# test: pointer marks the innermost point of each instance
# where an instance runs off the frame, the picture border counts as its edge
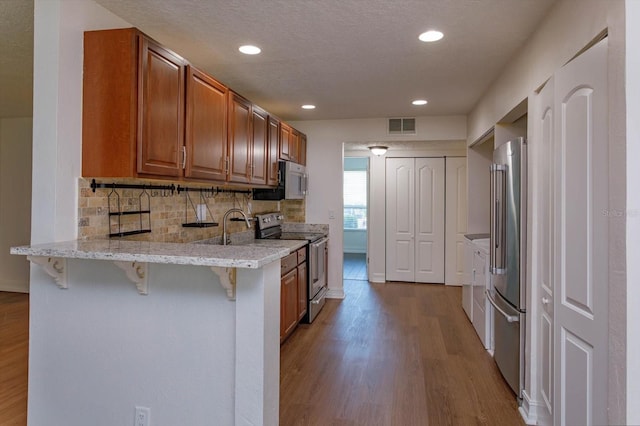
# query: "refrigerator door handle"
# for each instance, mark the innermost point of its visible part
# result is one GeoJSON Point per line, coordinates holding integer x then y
{"type": "Point", "coordinates": [497, 254]}
{"type": "Point", "coordinates": [509, 318]}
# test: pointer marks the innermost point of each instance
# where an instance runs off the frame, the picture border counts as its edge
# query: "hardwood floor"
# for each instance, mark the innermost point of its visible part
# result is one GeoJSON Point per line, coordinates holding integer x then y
{"type": "Point", "coordinates": [354, 266]}
{"type": "Point", "coordinates": [389, 354]}
{"type": "Point", "coordinates": [392, 354]}
{"type": "Point", "coordinates": [14, 358]}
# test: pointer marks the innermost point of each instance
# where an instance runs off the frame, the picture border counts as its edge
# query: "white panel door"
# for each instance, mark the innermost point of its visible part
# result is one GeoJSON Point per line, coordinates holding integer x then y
{"type": "Point", "coordinates": [455, 219]}
{"type": "Point", "coordinates": [429, 231]}
{"type": "Point", "coordinates": [400, 210]}
{"type": "Point", "coordinates": [581, 255]}
{"type": "Point", "coordinates": [543, 278]}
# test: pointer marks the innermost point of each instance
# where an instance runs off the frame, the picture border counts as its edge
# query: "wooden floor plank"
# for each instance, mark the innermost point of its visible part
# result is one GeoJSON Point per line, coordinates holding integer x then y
{"type": "Point", "coordinates": [392, 354]}
{"type": "Point", "coordinates": [14, 358]}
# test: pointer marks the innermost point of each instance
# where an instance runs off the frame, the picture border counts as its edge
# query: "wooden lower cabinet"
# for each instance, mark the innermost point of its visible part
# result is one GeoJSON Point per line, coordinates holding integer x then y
{"type": "Point", "coordinates": [289, 303]}
{"type": "Point", "coordinates": [293, 291]}
{"type": "Point", "coordinates": [302, 290]}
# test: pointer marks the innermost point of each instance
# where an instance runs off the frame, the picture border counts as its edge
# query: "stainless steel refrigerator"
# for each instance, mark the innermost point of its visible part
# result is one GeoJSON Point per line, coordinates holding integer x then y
{"type": "Point", "coordinates": [508, 259]}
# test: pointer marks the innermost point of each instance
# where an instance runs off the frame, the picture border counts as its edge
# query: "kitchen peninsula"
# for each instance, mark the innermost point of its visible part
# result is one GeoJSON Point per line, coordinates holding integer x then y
{"type": "Point", "coordinates": [189, 331]}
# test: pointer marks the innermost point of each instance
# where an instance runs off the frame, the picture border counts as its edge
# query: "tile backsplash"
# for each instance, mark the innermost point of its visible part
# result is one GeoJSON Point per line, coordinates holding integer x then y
{"type": "Point", "coordinates": [168, 211]}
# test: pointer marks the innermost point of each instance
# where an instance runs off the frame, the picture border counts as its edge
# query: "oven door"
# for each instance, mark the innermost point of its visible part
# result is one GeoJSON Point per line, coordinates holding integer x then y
{"type": "Point", "coordinates": [317, 269]}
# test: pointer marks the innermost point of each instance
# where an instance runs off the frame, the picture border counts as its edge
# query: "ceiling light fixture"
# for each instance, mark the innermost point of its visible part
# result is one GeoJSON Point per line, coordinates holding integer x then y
{"type": "Point", "coordinates": [378, 150]}
{"type": "Point", "coordinates": [249, 49]}
{"type": "Point", "coordinates": [419, 102]}
{"type": "Point", "coordinates": [430, 36]}
{"type": "Point", "coordinates": [308, 106]}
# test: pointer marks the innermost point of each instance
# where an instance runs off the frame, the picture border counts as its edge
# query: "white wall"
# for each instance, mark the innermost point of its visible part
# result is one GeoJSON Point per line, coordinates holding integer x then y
{"type": "Point", "coordinates": [569, 27]}
{"type": "Point", "coordinates": [325, 139]}
{"type": "Point", "coordinates": [15, 200]}
{"type": "Point", "coordinates": [633, 209]}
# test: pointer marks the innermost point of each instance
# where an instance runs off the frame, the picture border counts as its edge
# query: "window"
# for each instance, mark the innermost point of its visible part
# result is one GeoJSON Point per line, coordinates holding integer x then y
{"type": "Point", "coordinates": [355, 199]}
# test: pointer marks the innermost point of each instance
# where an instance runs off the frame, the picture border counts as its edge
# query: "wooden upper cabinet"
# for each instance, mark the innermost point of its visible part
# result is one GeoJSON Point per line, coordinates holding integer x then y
{"type": "Point", "coordinates": [259, 141]}
{"type": "Point", "coordinates": [294, 141]}
{"type": "Point", "coordinates": [273, 155]}
{"type": "Point", "coordinates": [206, 127]}
{"type": "Point", "coordinates": [302, 149]}
{"type": "Point", "coordinates": [110, 103]}
{"type": "Point", "coordinates": [239, 136]}
{"type": "Point", "coordinates": [293, 145]}
{"type": "Point", "coordinates": [147, 113]}
{"type": "Point", "coordinates": [285, 135]}
{"type": "Point", "coordinates": [160, 110]}
{"type": "Point", "coordinates": [133, 106]}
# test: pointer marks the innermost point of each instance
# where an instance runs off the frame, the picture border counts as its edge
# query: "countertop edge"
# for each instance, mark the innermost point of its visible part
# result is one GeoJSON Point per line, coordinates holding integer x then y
{"type": "Point", "coordinates": [238, 256]}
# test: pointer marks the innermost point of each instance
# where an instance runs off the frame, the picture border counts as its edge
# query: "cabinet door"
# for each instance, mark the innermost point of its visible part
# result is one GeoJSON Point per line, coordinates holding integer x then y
{"type": "Point", "coordinates": [288, 303]}
{"type": "Point", "coordinates": [294, 141]}
{"type": "Point", "coordinates": [285, 135]}
{"type": "Point", "coordinates": [302, 290]}
{"type": "Point", "coordinates": [302, 149]}
{"type": "Point", "coordinates": [206, 127]}
{"type": "Point", "coordinates": [160, 110]}
{"type": "Point", "coordinates": [239, 138]}
{"type": "Point", "coordinates": [274, 146]}
{"type": "Point", "coordinates": [258, 154]}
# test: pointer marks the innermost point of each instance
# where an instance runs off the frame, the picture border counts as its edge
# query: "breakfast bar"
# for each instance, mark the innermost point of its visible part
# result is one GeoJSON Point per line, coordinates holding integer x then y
{"type": "Point", "coordinates": [190, 330]}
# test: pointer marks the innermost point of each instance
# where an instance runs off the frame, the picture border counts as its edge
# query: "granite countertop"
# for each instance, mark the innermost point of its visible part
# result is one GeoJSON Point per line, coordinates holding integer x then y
{"type": "Point", "coordinates": [252, 255]}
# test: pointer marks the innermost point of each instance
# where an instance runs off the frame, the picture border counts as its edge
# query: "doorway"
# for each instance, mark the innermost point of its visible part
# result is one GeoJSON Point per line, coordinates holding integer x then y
{"type": "Point", "coordinates": [355, 214]}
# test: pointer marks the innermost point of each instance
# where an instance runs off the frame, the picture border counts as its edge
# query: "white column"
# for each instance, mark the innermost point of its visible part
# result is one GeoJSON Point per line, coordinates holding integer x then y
{"type": "Point", "coordinates": [257, 387]}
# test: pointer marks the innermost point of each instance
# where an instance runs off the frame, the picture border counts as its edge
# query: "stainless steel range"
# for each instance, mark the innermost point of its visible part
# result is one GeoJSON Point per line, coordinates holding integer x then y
{"type": "Point", "coordinates": [269, 226]}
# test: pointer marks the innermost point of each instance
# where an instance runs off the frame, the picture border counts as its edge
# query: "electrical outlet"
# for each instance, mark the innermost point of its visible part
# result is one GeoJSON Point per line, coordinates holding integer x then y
{"type": "Point", "coordinates": [143, 415]}
{"type": "Point", "coordinates": [332, 214]}
{"type": "Point", "coordinates": [201, 212]}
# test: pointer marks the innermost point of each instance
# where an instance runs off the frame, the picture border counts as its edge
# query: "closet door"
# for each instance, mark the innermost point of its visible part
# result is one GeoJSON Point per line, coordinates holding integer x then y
{"type": "Point", "coordinates": [400, 206]}
{"type": "Point", "coordinates": [455, 219]}
{"type": "Point", "coordinates": [429, 222]}
{"type": "Point", "coordinates": [415, 219]}
{"type": "Point", "coordinates": [582, 252]}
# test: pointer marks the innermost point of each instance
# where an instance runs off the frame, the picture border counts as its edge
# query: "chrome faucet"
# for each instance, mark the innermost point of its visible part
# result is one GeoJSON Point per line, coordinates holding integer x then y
{"type": "Point", "coordinates": [225, 237]}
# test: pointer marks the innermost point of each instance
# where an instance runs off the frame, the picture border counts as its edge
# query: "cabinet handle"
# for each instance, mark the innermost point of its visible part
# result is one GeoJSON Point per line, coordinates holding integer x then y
{"type": "Point", "coordinates": [184, 157]}
{"type": "Point", "coordinates": [226, 165]}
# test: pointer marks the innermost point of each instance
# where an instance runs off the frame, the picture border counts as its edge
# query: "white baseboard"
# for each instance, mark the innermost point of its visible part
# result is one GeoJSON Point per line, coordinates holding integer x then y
{"type": "Point", "coordinates": [378, 278]}
{"type": "Point", "coordinates": [14, 286]}
{"type": "Point", "coordinates": [335, 293]}
{"type": "Point", "coordinates": [533, 412]}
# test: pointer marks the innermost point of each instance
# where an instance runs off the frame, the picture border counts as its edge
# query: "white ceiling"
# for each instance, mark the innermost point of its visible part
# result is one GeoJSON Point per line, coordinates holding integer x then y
{"type": "Point", "coordinates": [351, 58]}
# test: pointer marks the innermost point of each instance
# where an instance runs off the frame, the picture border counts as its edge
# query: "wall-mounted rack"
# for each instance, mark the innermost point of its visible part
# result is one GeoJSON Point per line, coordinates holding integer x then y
{"type": "Point", "coordinates": [199, 215]}
{"type": "Point", "coordinates": [213, 191]}
{"type": "Point", "coordinates": [167, 189]}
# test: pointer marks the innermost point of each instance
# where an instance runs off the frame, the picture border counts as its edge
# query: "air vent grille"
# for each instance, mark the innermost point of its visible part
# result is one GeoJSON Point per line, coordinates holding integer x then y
{"type": "Point", "coordinates": [402, 126]}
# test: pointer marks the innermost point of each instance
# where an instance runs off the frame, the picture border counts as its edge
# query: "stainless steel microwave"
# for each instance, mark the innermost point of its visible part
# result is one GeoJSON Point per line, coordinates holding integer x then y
{"type": "Point", "coordinates": [292, 183]}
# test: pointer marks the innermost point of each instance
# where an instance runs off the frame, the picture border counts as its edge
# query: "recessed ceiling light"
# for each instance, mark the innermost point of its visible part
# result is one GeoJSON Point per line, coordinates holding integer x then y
{"type": "Point", "coordinates": [248, 49]}
{"type": "Point", "coordinates": [419, 102]}
{"type": "Point", "coordinates": [309, 106]}
{"type": "Point", "coordinates": [431, 35]}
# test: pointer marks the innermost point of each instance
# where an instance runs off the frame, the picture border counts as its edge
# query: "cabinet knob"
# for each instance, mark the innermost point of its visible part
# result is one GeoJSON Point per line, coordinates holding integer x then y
{"type": "Point", "coordinates": [545, 301]}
